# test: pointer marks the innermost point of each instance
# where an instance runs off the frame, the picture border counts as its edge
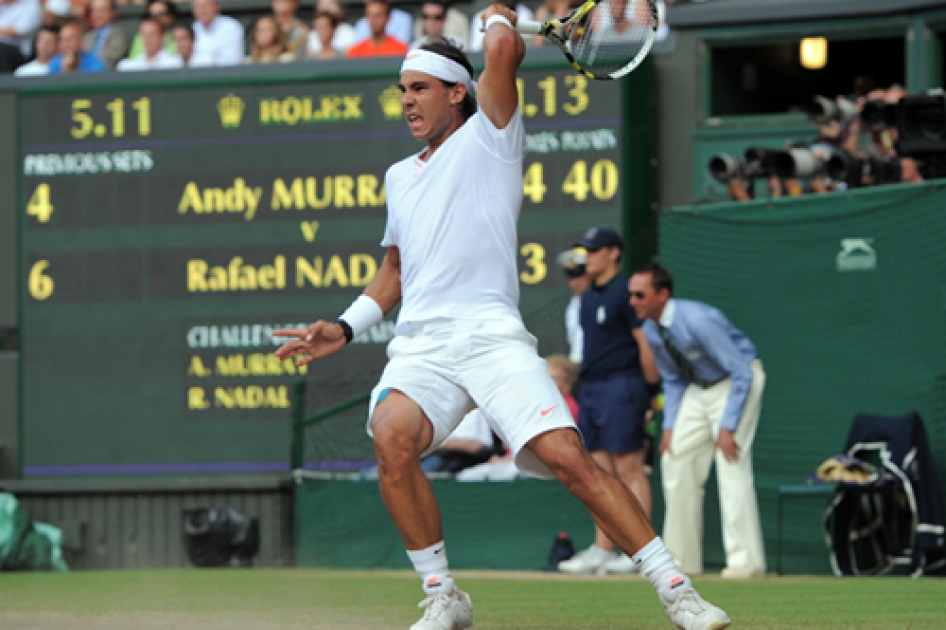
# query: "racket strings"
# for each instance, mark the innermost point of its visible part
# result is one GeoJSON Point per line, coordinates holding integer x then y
{"type": "Point", "coordinates": [611, 35]}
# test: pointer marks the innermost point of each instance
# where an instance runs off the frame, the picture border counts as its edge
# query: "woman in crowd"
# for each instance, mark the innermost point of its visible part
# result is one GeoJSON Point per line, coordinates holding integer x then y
{"type": "Point", "coordinates": [268, 44]}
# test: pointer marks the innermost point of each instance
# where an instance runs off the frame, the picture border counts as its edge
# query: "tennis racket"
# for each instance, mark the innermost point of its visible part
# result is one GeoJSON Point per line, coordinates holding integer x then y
{"type": "Point", "coordinates": [602, 39]}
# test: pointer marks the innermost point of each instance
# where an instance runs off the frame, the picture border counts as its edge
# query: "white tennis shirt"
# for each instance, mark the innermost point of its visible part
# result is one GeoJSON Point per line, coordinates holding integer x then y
{"type": "Point", "coordinates": [454, 220]}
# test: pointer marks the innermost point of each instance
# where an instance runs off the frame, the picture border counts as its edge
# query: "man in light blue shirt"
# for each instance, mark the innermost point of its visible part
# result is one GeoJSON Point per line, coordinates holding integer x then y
{"type": "Point", "coordinates": [713, 383]}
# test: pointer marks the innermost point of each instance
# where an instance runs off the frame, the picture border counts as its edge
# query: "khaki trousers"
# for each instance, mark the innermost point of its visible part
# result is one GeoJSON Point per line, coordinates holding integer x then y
{"type": "Point", "coordinates": [686, 469]}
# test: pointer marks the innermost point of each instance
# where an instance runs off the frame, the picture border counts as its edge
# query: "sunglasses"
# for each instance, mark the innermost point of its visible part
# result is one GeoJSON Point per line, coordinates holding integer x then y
{"type": "Point", "coordinates": [640, 295]}
{"type": "Point", "coordinates": [428, 16]}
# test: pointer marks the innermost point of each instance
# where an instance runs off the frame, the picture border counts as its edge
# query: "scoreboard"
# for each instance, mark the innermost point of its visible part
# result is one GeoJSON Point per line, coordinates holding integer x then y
{"type": "Point", "coordinates": [167, 229]}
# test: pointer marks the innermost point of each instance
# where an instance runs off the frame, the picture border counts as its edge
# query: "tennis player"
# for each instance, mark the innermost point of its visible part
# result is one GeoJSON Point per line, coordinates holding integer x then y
{"type": "Point", "coordinates": [460, 342]}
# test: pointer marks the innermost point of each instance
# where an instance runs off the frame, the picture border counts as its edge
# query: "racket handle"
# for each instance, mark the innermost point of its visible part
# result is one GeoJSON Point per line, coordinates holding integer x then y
{"type": "Point", "coordinates": [528, 27]}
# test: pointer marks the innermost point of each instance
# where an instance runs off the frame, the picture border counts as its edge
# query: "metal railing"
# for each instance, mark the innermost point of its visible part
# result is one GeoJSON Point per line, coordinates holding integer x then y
{"type": "Point", "coordinates": [300, 421]}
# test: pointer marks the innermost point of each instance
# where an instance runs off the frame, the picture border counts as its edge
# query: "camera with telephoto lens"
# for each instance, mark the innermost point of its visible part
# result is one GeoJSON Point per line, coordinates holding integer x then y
{"type": "Point", "coordinates": [801, 162]}
{"type": "Point", "coordinates": [822, 110]}
{"type": "Point", "coordinates": [878, 113]}
{"type": "Point", "coordinates": [863, 171]}
{"type": "Point", "coordinates": [756, 162]}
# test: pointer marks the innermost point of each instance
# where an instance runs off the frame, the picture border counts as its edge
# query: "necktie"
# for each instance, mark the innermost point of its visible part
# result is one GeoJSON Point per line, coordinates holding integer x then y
{"type": "Point", "coordinates": [686, 369]}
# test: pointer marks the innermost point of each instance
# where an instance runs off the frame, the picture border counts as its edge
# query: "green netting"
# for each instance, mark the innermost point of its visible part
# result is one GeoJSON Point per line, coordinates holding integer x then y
{"type": "Point", "coordinates": [845, 297]}
{"type": "Point", "coordinates": [488, 525]}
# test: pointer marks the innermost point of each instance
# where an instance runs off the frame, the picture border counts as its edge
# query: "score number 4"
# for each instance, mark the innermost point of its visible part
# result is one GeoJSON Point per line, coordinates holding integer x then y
{"type": "Point", "coordinates": [601, 181]}
{"type": "Point", "coordinates": [84, 124]}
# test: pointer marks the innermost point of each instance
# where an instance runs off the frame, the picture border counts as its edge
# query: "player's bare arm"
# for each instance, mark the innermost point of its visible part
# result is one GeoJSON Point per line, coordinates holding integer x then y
{"type": "Point", "coordinates": [324, 338]}
{"type": "Point", "coordinates": [504, 50]}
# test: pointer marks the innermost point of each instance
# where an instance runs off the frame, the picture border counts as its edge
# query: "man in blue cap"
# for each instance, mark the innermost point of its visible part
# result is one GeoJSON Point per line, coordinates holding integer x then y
{"type": "Point", "coordinates": [617, 374]}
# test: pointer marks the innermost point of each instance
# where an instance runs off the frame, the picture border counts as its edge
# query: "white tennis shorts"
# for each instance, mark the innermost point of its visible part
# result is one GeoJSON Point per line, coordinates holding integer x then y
{"type": "Point", "coordinates": [449, 367]}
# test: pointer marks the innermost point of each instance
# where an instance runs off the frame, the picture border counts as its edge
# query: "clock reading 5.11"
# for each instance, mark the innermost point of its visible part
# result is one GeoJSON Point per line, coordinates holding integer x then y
{"type": "Point", "coordinates": [114, 123]}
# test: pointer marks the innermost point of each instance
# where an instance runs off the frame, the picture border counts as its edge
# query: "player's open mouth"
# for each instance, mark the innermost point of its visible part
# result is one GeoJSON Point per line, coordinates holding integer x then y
{"type": "Point", "coordinates": [414, 121]}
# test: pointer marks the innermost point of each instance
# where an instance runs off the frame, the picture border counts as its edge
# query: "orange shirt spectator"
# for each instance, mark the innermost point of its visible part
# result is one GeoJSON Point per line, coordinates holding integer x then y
{"type": "Point", "coordinates": [389, 47]}
{"type": "Point", "coordinates": [379, 43]}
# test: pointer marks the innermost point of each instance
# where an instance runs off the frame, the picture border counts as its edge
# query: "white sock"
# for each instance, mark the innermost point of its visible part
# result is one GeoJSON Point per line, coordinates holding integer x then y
{"type": "Point", "coordinates": [657, 564]}
{"type": "Point", "coordinates": [431, 564]}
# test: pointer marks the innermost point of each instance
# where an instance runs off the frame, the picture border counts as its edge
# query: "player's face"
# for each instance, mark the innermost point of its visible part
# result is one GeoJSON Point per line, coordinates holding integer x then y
{"type": "Point", "coordinates": [429, 106]}
{"type": "Point", "coordinates": [647, 303]}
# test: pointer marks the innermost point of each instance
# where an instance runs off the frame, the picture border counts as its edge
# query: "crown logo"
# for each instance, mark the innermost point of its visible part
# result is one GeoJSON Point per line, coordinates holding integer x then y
{"type": "Point", "coordinates": [391, 103]}
{"type": "Point", "coordinates": [230, 109]}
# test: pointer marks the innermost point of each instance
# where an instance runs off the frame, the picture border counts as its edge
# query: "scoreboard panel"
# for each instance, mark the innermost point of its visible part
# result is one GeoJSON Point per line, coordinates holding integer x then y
{"type": "Point", "coordinates": [167, 229]}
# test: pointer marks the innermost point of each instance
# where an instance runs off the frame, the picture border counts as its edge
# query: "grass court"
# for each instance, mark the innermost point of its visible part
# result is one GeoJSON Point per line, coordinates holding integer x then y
{"type": "Point", "coordinates": [304, 599]}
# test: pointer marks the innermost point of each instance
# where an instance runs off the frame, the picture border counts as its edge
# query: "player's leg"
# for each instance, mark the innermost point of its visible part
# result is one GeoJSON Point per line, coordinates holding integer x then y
{"type": "Point", "coordinates": [684, 471]}
{"type": "Point", "coordinates": [601, 552]}
{"type": "Point", "coordinates": [623, 520]}
{"type": "Point", "coordinates": [629, 469]}
{"type": "Point", "coordinates": [414, 409]}
{"type": "Point", "coordinates": [739, 510]}
{"type": "Point", "coordinates": [513, 386]}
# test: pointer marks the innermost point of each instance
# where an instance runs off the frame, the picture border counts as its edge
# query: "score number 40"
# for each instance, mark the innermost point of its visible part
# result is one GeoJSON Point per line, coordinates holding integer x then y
{"type": "Point", "coordinates": [600, 181]}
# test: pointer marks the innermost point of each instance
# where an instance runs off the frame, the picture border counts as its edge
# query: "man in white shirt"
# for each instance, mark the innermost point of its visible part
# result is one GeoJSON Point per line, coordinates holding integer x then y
{"type": "Point", "coordinates": [154, 56]}
{"type": "Point", "coordinates": [218, 38]}
{"type": "Point", "coordinates": [460, 342]}
{"type": "Point", "coordinates": [47, 47]}
{"type": "Point", "coordinates": [400, 26]}
{"type": "Point", "coordinates": [19, 22]}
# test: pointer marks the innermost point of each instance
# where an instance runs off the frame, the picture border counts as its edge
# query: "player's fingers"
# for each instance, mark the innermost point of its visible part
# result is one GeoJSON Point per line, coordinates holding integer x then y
{"type": "Point", "coordinates": [289, 332]}
{"type": "Point", "coordinates": [313, 331]}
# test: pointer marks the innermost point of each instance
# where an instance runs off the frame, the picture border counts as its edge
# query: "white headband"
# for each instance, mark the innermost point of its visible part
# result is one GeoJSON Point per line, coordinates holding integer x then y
{"type": "Point", "coordinates": [437, 66]}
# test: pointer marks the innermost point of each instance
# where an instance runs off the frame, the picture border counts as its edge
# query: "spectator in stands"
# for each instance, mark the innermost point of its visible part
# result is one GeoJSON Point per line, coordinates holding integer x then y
{"type": "Point", "coordinates": [19, 22]}
{"type": "Point", "coordinates": [79, 11]}
{"type": "Point", "coordinates": [324, 26]}
{"type": "Point", "coordinates": [380, 44]}
{"type": "Point", "coordinates": [47, 47]}
{"type": "Point", "coordinates": [400, 25]}
{"type": "Point", "coordinates": [56, 12]}
{"type": "Point", "coordinates": [438, 19]}
{"type": "Point", "coordinates": [293, 29]}
{"type": "Point", "coordinates": [218, 38]}
{"type": "Point", "coordinates": [107, 40]}
{"type": "Point", "coordinates": [344, 35]}
{"type": "Point", "coordinates": [164, 12]}
{"type": "Point", "coordinates": [268, 42]}
{"type": "Point", "coordinates": [565, 374]}
{"type": "Point", "coordinates": [71, 57]}
{"type": "Point", "coordinates": [476, 24]}
{"type": "Point", "coordinates": [184, 42]}
{"type": "Point", "coordinates": [154, 56]}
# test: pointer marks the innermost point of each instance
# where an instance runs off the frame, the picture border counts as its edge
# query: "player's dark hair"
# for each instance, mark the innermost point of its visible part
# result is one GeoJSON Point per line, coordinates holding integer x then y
{"type": "Point", "coordinates": [660, 278]}
{"type": "Point", "coordinates": [447, 49]}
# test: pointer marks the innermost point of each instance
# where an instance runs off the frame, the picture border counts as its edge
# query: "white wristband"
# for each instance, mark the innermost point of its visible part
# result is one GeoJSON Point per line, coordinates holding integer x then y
{"type": "Point", "coordinates": [362, 315]}
{"type": "Point", "coordinates": [497, 19]}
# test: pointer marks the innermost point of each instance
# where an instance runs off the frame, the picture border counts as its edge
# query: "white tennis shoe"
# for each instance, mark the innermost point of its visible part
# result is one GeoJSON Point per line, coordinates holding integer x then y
{"type": "Point", "coordinates": [692, 612]}
{"type": "Point", "coordinates": [619, 565]}
{"type": "Point", "coordinates": [446, 611]}
{"type": "Point", "coordinates": [589, 560]}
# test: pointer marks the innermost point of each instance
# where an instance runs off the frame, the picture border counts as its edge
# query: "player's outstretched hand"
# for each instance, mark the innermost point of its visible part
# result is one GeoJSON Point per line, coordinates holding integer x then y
{"type": "Point", "coordinates": [318, 340]}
